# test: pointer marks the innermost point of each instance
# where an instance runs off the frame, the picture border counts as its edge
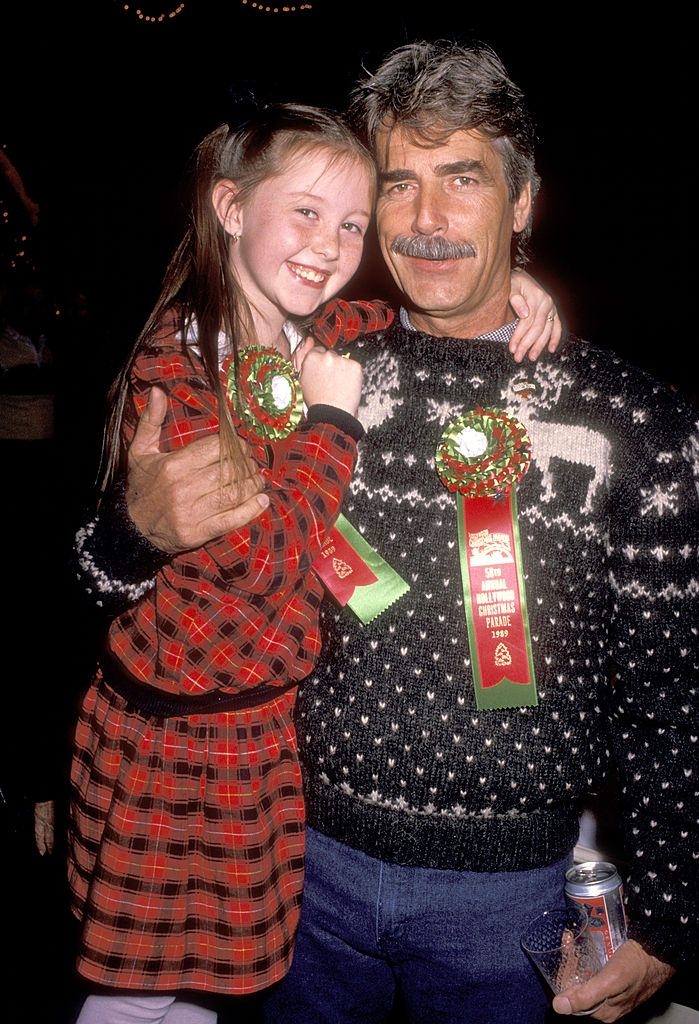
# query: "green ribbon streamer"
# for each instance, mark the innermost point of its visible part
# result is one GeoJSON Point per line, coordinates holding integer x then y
{"type": "Point", "coordinates": [369, 601]}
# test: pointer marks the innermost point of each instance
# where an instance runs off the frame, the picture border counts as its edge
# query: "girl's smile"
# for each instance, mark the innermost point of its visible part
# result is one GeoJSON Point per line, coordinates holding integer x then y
{"type": "Point", "coordinates": [314, 277]}
{"type": "Point", "coordinates": [301, 236]}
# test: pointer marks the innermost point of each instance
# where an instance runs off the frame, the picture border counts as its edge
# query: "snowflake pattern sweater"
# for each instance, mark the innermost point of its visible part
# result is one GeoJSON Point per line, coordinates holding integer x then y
{"type": "Point", "coordinates": [398, 761]}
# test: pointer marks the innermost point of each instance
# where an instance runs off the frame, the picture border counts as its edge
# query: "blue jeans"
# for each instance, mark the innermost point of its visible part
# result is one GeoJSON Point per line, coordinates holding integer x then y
{"type": "Point", "coordinates": [441, 945]}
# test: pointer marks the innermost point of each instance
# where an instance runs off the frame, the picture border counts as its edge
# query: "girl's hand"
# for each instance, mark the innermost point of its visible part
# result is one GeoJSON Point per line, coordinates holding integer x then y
{"type": "Point", "coordinates": [327, 378]}
{"type": "Point", "coordinates": [44, 826]}
{"type": "Point", "coordinates": [539, 325]}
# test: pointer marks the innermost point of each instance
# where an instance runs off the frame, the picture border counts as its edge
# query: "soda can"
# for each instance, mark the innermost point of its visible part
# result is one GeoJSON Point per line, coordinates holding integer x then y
{"type": "Point", "coordinates": [596, 885]}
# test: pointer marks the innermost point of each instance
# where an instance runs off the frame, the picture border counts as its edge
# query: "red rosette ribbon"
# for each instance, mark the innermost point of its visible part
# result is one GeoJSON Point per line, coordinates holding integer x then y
{"type": "Point", "coordinates": [267, 394]}
{"type": "Point", "coordinates": [483, 453]}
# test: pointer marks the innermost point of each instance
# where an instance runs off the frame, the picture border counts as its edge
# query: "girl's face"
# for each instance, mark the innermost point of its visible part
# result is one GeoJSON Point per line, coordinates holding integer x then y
{"type": "Point", "coordinates": [301, 236]}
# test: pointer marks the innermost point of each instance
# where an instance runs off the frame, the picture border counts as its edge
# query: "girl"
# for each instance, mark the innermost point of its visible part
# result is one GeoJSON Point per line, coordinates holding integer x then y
{"type": "Point", "coordinates": [187, 817]}
{"type": "Point", "coordinates": [186, 854]}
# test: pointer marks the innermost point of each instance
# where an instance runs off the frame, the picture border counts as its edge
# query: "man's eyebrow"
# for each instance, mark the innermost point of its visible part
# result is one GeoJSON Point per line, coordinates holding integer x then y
{"type": "Point", "coordinates": [463, 167]}
{"type": "Point", "coordinates": [398, 174]}
{"type": "Point", "coordinates": [440, 170]}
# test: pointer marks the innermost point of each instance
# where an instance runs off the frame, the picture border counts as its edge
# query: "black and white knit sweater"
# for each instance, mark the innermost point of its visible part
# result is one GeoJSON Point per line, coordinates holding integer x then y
{"type": "Point", "coordinates": [398, 761]}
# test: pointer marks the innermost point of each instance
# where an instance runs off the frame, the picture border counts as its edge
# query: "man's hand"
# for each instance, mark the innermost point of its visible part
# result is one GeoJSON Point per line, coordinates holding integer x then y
{"type": "Point", "coordinates": [178, 499]}
{"type": "Point", "coordinates": [630, 977]}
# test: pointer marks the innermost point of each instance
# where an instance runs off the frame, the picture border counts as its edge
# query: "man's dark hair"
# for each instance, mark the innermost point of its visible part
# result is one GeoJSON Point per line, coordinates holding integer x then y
{"type": "Point", "coordinates": [436, 88]}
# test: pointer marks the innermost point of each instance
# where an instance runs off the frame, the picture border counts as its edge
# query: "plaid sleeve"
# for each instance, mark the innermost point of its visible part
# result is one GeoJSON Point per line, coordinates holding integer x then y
{"type": "Point", "coordinates": [307, 478]}
{"type": "Point", "coordinates": [306, 474]}
{"type": "Point", "coordinates": [340, 321]}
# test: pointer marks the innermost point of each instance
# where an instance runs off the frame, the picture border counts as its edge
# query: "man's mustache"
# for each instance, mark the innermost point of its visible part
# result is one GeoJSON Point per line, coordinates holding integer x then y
{"type": "Point", "coordinates": [431, 247]}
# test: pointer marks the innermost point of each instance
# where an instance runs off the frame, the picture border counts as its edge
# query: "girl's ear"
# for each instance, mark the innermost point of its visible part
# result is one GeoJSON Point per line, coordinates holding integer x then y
{"type": "Point", "coordinates": [228, 211]}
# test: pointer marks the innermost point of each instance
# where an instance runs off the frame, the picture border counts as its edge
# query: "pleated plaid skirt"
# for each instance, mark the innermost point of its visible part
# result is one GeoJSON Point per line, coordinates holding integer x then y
{"type": "Point", "coordinates": [186, 845]}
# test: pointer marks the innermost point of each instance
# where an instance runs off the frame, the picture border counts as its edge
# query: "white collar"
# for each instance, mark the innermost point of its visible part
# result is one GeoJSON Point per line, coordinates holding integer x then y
{"type": "Point", "coordinates": [501, 334]}
{"type": "Point", "coordinates": [293, 336]}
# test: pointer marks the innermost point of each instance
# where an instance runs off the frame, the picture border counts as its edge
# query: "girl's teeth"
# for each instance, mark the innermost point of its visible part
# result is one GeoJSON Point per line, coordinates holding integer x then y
{"type": "Point", "coordinates": [310, 275]}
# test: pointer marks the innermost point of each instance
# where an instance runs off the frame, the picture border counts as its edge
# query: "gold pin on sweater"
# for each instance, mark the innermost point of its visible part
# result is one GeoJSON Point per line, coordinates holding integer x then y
{"type": "Point", "coordinates": [524, 389]}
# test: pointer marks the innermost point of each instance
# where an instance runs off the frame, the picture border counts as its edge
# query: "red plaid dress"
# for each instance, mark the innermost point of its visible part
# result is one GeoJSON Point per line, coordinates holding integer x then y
{"type": "Point", "coordinates": [186, 861]}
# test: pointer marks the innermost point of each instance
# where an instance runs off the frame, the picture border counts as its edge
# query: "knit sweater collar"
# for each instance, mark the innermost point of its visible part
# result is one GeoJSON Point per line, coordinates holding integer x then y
{"type": "Point", "coordinates": [501, 334]}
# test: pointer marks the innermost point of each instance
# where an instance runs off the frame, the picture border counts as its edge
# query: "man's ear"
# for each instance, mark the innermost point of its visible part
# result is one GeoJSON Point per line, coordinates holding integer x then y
{"type": "Point", "coordinates": [523, 208]}
{"type": "Point", "coordinates": [228, 211]}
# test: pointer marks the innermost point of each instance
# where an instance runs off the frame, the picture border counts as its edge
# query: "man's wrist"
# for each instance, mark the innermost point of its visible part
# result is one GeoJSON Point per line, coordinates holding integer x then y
{"type": "Point", "coordinates": [116, 559]}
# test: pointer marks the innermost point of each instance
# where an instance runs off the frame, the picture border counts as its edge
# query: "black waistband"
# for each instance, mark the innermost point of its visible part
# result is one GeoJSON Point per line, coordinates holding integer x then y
{"type": "Point", "coordinates": [152, 701]}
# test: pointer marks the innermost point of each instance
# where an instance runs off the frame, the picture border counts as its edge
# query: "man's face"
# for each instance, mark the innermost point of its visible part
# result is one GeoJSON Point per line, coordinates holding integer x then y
{"type": "Point", "coordinates": [445, 225]}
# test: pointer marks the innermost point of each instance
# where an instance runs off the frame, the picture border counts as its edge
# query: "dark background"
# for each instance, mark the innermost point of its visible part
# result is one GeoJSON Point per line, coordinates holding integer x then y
{"type": "Point", "coordinates": [101, 111]}
{"type": "Point", "coordinates": [104, 110]}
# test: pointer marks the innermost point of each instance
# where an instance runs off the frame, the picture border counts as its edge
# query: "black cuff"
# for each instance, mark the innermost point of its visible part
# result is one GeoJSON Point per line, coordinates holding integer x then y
{"type": "Point", "coordinates": [344, 421]}
{"type": "Point", "coordinates": [117, 545]}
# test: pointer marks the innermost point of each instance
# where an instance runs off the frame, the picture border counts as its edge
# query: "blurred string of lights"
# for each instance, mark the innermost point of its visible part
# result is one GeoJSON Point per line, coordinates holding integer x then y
{"type": "Point", "coordinates": [172, 11]}
{"type": "Point", "coordinates": [271, 9]}
{"type": "Point", "coordinates": [166, 15]}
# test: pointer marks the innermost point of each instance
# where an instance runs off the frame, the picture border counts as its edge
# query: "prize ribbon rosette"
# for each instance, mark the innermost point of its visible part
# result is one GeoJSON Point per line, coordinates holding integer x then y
{"type": "Point", "coordinates": [271, 401]}
{"type": "Point", "coordinates": [271, 407]}
{"type": "Point", "coordinates": [481, 457]}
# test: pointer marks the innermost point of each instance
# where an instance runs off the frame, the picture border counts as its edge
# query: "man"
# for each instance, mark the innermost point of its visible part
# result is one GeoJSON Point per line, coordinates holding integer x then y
{"type": "Point", "coordinates": [544, 523]}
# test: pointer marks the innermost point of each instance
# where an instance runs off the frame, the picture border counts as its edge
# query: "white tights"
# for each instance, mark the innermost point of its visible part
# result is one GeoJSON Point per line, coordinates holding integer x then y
{"type": "Point", "coordinates": [139, 1009]}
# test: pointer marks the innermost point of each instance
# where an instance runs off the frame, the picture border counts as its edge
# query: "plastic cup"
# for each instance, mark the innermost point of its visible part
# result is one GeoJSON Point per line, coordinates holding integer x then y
{"type": "Point", "coordinates": [560, 945]}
